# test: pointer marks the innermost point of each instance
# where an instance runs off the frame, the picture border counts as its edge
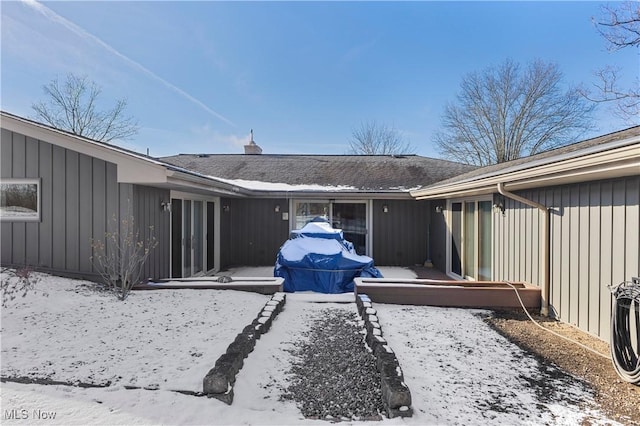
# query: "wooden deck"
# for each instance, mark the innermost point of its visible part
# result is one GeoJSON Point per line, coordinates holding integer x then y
{"type": "Point", "coordinates": [449, 293]}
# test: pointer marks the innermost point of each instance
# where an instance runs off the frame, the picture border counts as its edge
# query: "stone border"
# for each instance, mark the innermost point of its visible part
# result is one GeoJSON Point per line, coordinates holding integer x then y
{"type": "Point", "coordinates": [396, 396]}
{"type": "Point", "coordinates": [219, 381]}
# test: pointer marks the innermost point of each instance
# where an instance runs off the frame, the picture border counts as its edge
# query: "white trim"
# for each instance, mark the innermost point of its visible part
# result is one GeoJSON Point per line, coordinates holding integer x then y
{"type": "Point", "coordinates": [618, 159]}
{"type": "Point", "coordinates": [37, 216]}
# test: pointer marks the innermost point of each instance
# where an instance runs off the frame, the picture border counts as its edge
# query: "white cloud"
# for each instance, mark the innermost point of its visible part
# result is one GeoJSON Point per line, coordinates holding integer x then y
{"type": "Point", "coordinates": [86, 36]}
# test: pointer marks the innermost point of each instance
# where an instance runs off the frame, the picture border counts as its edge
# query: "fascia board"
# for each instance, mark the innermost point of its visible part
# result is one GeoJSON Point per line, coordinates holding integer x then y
{"type": "Point", "coordinates": [131, 168]}
{"type": "Point", "coordinates": [621, 161]}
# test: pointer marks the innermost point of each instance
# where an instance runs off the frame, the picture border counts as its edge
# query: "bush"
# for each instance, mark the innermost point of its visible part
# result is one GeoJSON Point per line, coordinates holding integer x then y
{"type": "Point", "coordinates": [13, 282]}
{"type": "Point", "coordinates": [120, 257]}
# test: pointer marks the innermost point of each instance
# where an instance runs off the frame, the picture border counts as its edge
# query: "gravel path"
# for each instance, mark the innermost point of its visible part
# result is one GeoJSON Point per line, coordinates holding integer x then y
{"type": "Point", "coordinates": [334, 375]}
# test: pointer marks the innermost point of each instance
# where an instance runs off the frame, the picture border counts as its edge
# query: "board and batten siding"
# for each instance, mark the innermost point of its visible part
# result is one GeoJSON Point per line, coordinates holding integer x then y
{"type": "Point", "coordinates": [401, 235]}
{"type": "Point", "coordinates": [251, 231]}
{"type": "Point", "coordinates": [80, 197]}
{"type": "Point", "coordinates": [595, 242]}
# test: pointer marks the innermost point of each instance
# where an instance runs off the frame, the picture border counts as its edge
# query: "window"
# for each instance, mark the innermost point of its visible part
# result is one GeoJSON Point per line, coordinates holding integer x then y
{"type": "Point", "coordinates": [20, 199]}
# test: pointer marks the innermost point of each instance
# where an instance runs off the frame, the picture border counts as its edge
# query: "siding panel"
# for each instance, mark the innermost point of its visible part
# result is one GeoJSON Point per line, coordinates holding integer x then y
{"type": "Point", "coordinates": [46, 217]}
{"type": "Point", "coordinates": [72, 224]}
{"type": "Point", "coordinates": [401, 236]}
{"type": "Point", "coordinates": [19, 232]}
{"type": "Point", "coordinates": [85, 215]}
{"type": "Point", "coordinates": [59, 208]}
{"type": "Point", "coordinates": [594, 243]}
{"type": "Point", "coordinates": [583, 257]}
{"type": "Point", "coordinates": [251, 232]}
{"type": "Point", "coordinates": [606, 253]}
{"type": "Point", "coordinates": [32, 171]}
{"type": "Point", "coordinates": [594, 261]}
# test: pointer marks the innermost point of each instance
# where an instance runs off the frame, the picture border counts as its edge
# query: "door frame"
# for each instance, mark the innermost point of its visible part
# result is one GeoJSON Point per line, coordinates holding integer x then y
{"type": "Point", "coordinates": [185, 196]}
{"type": "Point", "coordinates": [368, 215]}
{"type": "Point", "coordinates": [476, 239]}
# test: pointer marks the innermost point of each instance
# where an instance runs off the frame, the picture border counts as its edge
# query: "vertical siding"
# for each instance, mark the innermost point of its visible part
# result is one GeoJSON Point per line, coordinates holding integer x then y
{"type": "Point", "coordinates": [78, 195]}
{"type": "Point", "coordinates": [251, 232]}
{"type": "Point", "coordinates": [401, 236]}
{"type": "Point", "coordinates": [150, 220]}
{"type": "Point", "coordinates": [438, 243]}
{"type": "Point", "coordinates": [595, 242]}
{"type": "Point", "coordinates": [85, 213]}
{"type": "Point", "coordinates": [6, 170]}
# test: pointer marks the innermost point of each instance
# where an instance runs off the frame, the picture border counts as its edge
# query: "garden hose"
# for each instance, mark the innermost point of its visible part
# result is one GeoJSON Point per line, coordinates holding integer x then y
{"type": "Point", "coordinates": [625, 357]}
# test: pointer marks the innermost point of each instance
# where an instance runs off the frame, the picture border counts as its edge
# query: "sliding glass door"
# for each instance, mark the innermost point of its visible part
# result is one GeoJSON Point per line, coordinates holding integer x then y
{"type": "Point", "coordinates": [350, 216]}
{"type": "Point", "coordinates": [470, 247]}
{"type": "Point", "coordinates": [192, 234]}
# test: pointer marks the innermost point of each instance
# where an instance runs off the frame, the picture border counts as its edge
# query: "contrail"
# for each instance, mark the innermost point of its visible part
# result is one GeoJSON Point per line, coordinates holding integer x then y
{"type": "Point", "coordinates": [50, 14]}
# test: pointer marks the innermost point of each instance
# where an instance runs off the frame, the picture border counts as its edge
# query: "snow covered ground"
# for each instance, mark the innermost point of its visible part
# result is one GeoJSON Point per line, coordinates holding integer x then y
{"type": "Point", "coordinates": [459, 370]}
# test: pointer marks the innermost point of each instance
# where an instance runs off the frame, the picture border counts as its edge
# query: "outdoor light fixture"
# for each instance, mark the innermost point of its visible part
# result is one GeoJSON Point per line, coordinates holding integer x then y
{"type": "Point", "coordinates": [276, 208]}
{"type": "Point", "coordinates": [225, 208]}
{"type": "Point", "coordinates": [165, 206]}
{"type": "Point", "coordinates": [439, 209]}
{"type": "Point", "coordinates": [385, 209]}
{"type": "Point", "coordinates": [498, 203]}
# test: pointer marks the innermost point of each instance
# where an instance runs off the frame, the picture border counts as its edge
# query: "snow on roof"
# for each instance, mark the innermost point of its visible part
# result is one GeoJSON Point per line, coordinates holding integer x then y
{"type": "Point", "coordinates": [256, 185]}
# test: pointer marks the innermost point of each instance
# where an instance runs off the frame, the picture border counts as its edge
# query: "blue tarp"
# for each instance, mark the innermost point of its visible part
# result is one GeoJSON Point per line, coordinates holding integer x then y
{"type": "Point", "coordinates": [318, 258]}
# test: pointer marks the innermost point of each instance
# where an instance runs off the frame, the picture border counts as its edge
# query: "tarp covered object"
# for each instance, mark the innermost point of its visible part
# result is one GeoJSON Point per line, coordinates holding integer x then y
{"type": "Point", "coordinates": [317, 258]}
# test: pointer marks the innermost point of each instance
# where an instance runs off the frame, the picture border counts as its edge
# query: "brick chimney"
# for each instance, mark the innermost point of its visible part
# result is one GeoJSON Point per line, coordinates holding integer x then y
{"type": "Point", "coordinates": [252, 148]}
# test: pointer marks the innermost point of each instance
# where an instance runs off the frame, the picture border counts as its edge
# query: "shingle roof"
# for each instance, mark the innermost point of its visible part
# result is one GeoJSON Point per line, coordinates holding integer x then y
{"type": "Point", "coordinates": [363, 172]}
{"type": "Point", "coordinates": [547, 155]}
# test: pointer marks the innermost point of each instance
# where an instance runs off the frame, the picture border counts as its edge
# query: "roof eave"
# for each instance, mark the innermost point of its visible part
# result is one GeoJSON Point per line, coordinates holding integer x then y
{"type": "Point", "coordinates": [621, 160]}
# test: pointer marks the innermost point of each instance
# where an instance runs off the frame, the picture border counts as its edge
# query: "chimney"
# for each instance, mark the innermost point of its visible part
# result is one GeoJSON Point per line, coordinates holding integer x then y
{"type": "Point", "coordinates": [252, 148]}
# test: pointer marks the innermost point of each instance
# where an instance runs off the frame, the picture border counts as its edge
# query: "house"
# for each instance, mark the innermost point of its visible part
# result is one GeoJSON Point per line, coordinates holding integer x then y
{"type": "Point", "coordinates": [208, 212]}
{"type": "Point", "coordinates": [566, 220]}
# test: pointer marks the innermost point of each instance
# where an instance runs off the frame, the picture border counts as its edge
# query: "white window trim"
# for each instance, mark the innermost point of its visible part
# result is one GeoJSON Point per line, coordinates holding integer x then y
{"type": "Point", "coordinates": [24, 181]}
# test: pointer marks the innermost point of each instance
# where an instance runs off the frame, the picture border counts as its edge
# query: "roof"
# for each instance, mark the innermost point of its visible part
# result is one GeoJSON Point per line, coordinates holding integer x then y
{"type": "Point", "coordinates": [133, 167]}
{"type": "Point", "coordinates": [611, 155]}
{"type": "Point", "coordinates": [368, 173]}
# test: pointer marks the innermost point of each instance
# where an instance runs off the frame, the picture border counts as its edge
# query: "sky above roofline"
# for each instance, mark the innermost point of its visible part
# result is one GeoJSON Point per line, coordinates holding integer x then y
{"type": "Point", "coordinates": [200, 75]}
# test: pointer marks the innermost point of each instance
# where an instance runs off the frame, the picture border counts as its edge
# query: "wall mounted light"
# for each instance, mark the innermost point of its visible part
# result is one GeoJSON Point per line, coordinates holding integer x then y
{"type": "Point", "coordinates": [385, 209]}
{"type": "Point", "coordinates": [276, 208]}
{"type": "Point", "coordinates": [165, 206]}
{"type": "Point", "coordinates": [439, 209]}
{"type": "Point", "coordinates": [498, 203]}
{"type": "Point", "coordinates": [225, 208]}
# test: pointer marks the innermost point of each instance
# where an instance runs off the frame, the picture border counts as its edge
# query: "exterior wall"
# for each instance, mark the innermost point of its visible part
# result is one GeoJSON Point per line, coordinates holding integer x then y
{"type": "Point", "coordinates": [401, 236]}
{"type": "Point", "coordinates": [438, 234]}
{"type": "Point", "coordinates": [79, 197]}
{"type": "Point", "coordinates": [152, 220]}
{"type": "Point", "coordinates": [251, 232]}
{"type": "Point", "coordinates": [595, 242]}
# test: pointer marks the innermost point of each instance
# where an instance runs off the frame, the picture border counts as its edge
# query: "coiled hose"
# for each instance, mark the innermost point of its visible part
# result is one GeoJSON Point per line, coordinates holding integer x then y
{"type": "Point", "coordinates": [625, 357]}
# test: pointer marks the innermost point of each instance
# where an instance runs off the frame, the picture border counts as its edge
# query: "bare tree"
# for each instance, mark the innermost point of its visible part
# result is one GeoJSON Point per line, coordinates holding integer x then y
{"type": "Point", "coordinates": [120, 257]}
{"type": "Point", "coordinates": [72, 106]}
{"type": "Point", "coordinates": [620, 27]}
{"type": "Point", "coordinates": [503, 113]}
{"type": "Point", "coordinates": [372, 138]}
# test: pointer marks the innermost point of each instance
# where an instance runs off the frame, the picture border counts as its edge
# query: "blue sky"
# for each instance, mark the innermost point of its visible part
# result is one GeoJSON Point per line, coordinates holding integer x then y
{"type": "Point", "coordinates": [199, 75]}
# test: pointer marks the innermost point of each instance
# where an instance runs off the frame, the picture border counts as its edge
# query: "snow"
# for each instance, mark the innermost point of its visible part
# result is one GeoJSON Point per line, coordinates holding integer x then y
{"type": "Point", "coordinates": [276, 186]}
{"type": "Point", "coordinates": [455, 365]}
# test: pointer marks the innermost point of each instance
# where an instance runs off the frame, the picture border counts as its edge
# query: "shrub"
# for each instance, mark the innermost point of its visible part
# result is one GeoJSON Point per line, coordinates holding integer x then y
{"type": "Point", "coordinates": [120, 257]}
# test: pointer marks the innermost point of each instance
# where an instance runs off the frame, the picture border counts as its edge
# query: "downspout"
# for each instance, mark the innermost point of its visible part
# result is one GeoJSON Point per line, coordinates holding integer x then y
{"type": "Point", "coordinates": [544, 303]}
